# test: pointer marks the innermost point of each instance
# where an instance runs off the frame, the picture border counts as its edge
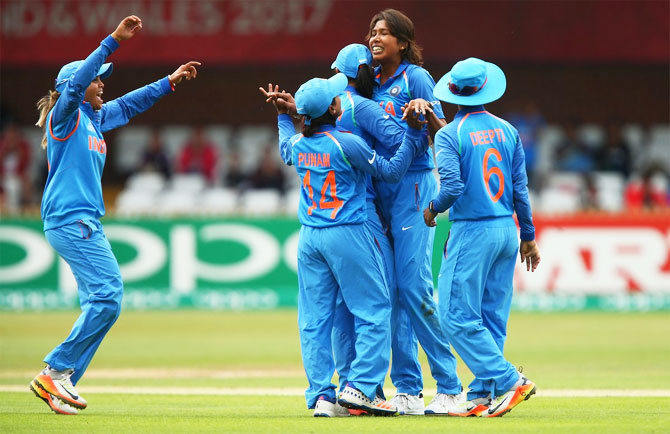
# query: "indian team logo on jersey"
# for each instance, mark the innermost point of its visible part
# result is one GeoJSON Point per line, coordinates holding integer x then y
{"type": "Point", "coordinates": [394, 91]}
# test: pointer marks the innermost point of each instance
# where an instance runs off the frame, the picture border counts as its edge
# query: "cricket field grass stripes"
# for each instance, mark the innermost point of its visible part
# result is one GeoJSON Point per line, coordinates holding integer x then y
{"type": "Point", "coordinates": [196, 371]}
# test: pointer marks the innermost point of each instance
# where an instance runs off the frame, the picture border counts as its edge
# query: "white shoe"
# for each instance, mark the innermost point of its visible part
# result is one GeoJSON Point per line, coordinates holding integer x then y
{"type": "Point", "coordinates": [59, 385]}
{"type": "Point", "coordinates": [503, 404]}
{"type": "Point", "coordinates": [454, 405]}
{"type": "Point", "coordinates": [408, 405]}
{"type": "Point", "coordinates": [55, 404]}
{"type": "Point", "coordinates": [325, 408]}
{"type": "Point", "coordinates": [353, 398]}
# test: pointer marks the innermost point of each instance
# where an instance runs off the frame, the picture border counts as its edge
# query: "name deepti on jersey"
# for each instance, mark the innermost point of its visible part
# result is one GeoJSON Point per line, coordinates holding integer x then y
{"type": "Point", "coordinates": [486, 137]}
{"type": "Point", "coordinates": [313, 159]}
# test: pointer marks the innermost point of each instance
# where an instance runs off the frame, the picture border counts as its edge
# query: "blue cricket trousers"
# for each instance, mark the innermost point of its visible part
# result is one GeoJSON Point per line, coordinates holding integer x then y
{"type": "Point", "coordinates": [475, 289]}
{"type": "Point", "coordinates": [414, 309]}
{"type": "Point", "coordinates": [342, 259]}
{"type": "Point", "coordinates": [344, 350]}
{"type": "Point", "coordinates": [84, 246]}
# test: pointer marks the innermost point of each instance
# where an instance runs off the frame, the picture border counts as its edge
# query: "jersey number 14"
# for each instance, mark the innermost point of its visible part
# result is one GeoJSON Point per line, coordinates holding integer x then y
{"type": "Point", "coordinates": [329, 198]}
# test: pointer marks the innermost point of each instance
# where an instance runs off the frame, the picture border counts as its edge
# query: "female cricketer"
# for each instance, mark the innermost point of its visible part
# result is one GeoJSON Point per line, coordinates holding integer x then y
{"type": "Point", "coordinates": [336, 251]}
{"type": "Point", "coordinates": [74, 118]}
{"type": "Point", "coordinates": [400, 78]}
{"type": "Point", "coordinates": [364, 118]}
{"type": "Point", "coordinates": [482, 182]}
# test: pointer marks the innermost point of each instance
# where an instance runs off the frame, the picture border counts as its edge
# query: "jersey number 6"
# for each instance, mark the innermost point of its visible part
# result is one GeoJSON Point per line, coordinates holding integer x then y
{"type": "Point", "coordinates": [334, 203]}
{"type": "Point", "coordinates": [493, 171]}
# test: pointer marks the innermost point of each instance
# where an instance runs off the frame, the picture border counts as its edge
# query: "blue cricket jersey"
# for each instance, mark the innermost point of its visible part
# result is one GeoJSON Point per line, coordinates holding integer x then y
{"type": "Point", "coordinates": [363, 117]}
{"type": "Point", "coordinates": [482, 170]}
{"type": "Point", "coordinates": [407, 83]}
{"type": "Point", "coordinates": [332, 165]}
{"type": "Point", "coordinates": [76, 150]}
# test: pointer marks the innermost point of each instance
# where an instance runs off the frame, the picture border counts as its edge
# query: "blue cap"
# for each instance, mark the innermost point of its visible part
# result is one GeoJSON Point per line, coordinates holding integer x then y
{"type": "Point", "coordinates": [350, 58]}
{"type": "Point", "coordinates": [67, 73]}
{"type": "Point", "coordinates": [471, 82]}
{"type": "Point", "coordinates": [313, 97]}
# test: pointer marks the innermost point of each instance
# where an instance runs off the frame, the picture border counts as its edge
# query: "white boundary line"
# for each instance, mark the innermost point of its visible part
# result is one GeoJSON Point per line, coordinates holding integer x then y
{"type": "Point", "coordinates": [294, 391]}
{"type": "Point", "coordinates": [162, 374]}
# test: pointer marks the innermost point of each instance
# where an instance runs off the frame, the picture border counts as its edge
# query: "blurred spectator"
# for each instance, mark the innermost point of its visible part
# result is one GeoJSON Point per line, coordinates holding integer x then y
{"type": "Point", "coordinates": [572, 154]}
{"type": "Point", "coordinates": [199, 156]}
{"type": "Point", "coordinates": [529, 122]}
{"type": "Point", "coordinates": [235, 176]}
{"type": "Point", "coordinates": [589, 194]}
{"type": "Point", "coordinates": [615, 154]}
{"type": "Point", "coordinates": [155, 159]}
{"type": "Point", "coordinates": [15, 186]}
{"type": "Point", "coordinates": [268, 174]}
{"type": "Point", "coordinates": [648, 191]}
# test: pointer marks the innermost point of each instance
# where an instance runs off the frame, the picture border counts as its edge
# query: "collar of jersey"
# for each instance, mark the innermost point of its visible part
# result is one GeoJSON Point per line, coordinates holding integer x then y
{"type": "Point", "coordinates": [469, 109]}
{"type": "Point", "coordinates": [403, 65]}
{"type": "Point", "coordinates": [87, 108]}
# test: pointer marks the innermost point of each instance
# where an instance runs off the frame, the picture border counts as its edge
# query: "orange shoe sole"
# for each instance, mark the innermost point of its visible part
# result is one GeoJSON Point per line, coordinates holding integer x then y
{"type": "Point", "coordinates": [47, 384]}
{"type": "Point", "coordinates": [47, 398]}
{"type": "Point", "coordinates": [475, 412]}
{"type": "Point", "coordinates": [522, 393]}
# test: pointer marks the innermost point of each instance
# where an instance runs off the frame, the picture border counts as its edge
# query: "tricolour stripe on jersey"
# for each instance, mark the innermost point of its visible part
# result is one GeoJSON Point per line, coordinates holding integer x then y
{"type": "Point", "coordinates": [351, 100]}
{"type": "Point", "coordinates": [460, 124]}
{"type": "Point", "coordinates": [338, 146]}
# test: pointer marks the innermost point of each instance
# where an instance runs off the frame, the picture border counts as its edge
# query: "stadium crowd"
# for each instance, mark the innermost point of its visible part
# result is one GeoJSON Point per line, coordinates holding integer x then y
{"type": "Point", "coordinates": [574, 166]}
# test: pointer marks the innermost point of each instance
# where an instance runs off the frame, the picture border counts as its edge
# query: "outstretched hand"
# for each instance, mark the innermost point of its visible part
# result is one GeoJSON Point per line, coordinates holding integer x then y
{"type": "Point", "coordinates": [283, 101]}
{"type": "Point", "coordinates": [127, 28]}
{"type": "Point", "coordinates": [186, 71]}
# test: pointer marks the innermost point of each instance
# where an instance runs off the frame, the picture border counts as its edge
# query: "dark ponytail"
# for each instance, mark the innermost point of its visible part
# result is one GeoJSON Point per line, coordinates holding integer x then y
{"type": "Point", "coordinates": [365, 81]}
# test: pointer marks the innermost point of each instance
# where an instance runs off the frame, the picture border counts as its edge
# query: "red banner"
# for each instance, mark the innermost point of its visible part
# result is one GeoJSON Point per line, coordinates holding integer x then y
{"type": "Point", "coordinates": [224, 32]}
{"type": "Point", "coordinates": [605, 254]}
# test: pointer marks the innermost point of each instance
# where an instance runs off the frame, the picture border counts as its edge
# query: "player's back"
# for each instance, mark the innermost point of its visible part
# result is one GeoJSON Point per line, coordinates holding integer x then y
{"type": "Point", "coordinates": [486, 145]}
{"type": "Point", "coordinates": [333, 192]}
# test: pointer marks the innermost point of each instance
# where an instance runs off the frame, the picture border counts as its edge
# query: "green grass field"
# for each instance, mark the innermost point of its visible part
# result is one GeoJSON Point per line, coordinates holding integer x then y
{"type": "Point", "coordinates": [189, 371]}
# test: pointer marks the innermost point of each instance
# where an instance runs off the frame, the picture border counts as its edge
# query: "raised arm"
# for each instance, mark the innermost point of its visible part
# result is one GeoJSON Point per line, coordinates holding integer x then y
{"type": "Point", "coordinates": [119, 111]}
{"type": "Point", "coordinates": [73, 88]}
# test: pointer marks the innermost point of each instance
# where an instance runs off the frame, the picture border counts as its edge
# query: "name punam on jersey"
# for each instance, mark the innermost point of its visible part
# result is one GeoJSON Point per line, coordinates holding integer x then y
{"type": "Point", "coordinates": [313, 159]}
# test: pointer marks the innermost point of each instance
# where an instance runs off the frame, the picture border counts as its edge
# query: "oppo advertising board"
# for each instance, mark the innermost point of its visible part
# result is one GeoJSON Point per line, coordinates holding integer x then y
{"type": "Point", "coordinates": [615, 263]}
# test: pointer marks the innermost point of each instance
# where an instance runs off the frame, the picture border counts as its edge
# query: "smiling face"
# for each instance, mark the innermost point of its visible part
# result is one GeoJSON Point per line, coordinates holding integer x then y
{"type": "Point", "coordinates": [93, 93]}
{"type": "Point", "coordinates": [384, 46]}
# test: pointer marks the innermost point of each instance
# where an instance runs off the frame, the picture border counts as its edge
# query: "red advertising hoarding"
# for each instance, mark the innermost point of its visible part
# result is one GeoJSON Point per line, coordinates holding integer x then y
{"type": "Point", "coordinates": [238, 32]}
{"type": "Point", "coordinates": [600, 254]}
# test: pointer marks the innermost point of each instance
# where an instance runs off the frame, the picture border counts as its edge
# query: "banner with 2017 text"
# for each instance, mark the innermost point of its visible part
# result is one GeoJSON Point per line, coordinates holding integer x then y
{"type": "Point", "coordinates": [588, 262]}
